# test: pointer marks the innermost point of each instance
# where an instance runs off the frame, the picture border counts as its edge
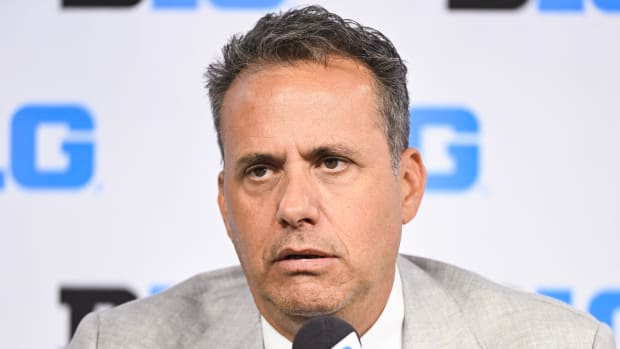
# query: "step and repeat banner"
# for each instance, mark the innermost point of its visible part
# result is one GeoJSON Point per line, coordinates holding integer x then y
{"type": "Point", "coordinates": [108, 160]}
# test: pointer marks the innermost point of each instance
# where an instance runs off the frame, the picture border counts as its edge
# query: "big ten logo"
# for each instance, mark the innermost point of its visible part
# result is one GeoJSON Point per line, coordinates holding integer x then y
{"type": "Point", "coordinates": [608, 6]}
{"type": "Point", "coordinates": [50, 148]}
{"type": "Point", "coordinates": [82, 300]}
{"type": "Point", "coordinates": [604, 305]}
{"type": "Point", "coordinates": [174, 4]}
{"type": "Point", "coordinates": [447, 139]}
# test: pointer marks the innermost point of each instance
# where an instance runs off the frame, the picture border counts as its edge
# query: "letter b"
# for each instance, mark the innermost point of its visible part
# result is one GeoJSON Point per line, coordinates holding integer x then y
{"type": "Point", "coordinates": [99, 3]}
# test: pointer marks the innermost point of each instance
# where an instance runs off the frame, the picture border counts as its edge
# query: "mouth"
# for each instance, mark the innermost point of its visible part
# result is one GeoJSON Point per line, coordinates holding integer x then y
{"type": "Point", "coordinates": [305, 262]}
{"type": "Point", "coordinates": [300, 254]}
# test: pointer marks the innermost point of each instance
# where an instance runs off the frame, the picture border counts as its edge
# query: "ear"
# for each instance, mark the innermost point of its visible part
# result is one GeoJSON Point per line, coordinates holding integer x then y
{"type": "Point", "coordinates": [221, 202]}
{"type": "Point", "coordinates": [412, 177]}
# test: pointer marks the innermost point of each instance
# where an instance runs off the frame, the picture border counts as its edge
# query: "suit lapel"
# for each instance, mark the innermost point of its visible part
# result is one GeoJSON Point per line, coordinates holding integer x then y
{"type": "Point", "coordinates": [432, 317]}
{"type": "Point", "coordinates": [234, 323]}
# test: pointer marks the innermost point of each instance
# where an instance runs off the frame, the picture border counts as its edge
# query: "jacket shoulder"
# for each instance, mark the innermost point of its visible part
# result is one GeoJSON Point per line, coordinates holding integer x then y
{"type": "Point", "coordinates": [173, 318]}
{"type": "Point", "coordinates": [501, 317]}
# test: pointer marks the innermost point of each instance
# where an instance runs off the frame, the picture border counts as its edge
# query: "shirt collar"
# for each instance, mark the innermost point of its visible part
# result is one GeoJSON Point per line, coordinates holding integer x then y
{"type": "Point", "coordinates": [386, 332]}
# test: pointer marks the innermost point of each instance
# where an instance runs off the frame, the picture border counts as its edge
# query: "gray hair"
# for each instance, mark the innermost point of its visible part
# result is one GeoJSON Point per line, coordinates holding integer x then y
{"type": "Point", "coordinates": [313, 34]}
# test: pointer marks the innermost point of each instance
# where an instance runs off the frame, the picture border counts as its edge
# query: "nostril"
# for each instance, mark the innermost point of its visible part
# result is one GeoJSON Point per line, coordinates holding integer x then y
{"type": "Point", "coordinates": [295, 224]}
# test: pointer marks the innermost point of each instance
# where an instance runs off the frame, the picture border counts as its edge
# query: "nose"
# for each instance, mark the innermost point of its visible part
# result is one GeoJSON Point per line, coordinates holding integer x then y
{"type": "Point", "coordinates": [298, 204]}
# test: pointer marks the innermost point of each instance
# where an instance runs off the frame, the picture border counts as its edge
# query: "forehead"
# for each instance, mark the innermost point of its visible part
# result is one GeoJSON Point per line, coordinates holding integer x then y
{"type": "Point", "coordinates": [308, 101]}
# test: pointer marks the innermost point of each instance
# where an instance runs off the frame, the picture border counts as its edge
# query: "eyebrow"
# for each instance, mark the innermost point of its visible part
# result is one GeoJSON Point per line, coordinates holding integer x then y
{"type": "Point", "coordinates": [327, 150]}
{"type": "Point", "coordinates": [320, 152]}
{"type": "Point", "coordinates": [257, 158]}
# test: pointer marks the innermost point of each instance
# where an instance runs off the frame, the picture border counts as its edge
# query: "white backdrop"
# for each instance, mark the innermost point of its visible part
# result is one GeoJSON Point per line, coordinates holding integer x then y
{"type": "Point", "coordinates": [540, 212]}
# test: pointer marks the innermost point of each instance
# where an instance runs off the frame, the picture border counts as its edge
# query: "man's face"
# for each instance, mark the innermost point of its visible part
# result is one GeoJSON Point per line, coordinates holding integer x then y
{"type": "Point", "coordinates": [308, 193]}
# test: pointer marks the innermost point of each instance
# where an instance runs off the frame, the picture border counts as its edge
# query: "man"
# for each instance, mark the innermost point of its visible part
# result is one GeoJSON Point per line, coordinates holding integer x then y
{"type": "Point", "coordinates": [311, 113]}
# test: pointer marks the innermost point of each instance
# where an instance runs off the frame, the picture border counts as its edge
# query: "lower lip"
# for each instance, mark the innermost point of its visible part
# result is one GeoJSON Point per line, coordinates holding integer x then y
{"type": "Point", "coordinates": [305, 266]}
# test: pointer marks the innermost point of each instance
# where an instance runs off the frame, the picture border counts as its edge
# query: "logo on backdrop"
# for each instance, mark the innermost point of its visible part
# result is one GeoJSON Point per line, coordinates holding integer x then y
{"type": "Point", "coordinates": [447, 139]}
{"type": "Point", "coordinates": [542, 5]}
{"type": "Point", "coordinates": [82, 300]}
{"type": "Point", "coordinates": [175, 4]}
{"type": "Point", "coordinates": [34, 164]}
{"type": "Point", "coordinates": [603, 305]}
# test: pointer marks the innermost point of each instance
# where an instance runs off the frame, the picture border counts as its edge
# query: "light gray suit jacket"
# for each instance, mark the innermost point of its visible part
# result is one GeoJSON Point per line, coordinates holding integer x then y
{"type": "Point", "coordinates": [445, 307]}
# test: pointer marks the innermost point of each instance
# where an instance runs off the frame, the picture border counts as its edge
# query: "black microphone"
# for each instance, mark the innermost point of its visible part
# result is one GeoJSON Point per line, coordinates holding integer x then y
{"type": "Point", "coordinates": [326, 332]}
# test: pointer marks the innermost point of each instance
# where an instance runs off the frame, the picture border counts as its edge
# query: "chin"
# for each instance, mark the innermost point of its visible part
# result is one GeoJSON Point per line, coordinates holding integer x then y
{"type": "Point", "coordinates": [308, 310]}
{"type": "Point", "coordinates": [310, 304]}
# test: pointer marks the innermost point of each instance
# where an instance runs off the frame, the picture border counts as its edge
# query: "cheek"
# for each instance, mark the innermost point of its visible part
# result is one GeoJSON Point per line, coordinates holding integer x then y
{"type": "Point", "coordinates": [379, 225]}
{"type": "Point", "coordinates": [250, 220]}
{"type": "Point", "coordinates": [369, 223]}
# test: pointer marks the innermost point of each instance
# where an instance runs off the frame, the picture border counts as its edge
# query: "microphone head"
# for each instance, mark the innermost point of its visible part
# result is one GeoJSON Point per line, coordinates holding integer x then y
{"type": "Point", "coordinates": [326, 332]}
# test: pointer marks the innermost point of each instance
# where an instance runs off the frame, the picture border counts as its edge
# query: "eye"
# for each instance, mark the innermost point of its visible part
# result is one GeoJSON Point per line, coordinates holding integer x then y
{"type": "Point", "coordinates": [259, 171]}
{"type": "Point", "coordinates": [333, 164]}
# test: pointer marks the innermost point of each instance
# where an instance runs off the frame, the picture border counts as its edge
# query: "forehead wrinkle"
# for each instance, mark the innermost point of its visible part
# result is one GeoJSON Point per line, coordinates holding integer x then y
{"type": "Point", "coordinates": [364, 83]}
{"type": "Point", "coordinates": [363, 80]}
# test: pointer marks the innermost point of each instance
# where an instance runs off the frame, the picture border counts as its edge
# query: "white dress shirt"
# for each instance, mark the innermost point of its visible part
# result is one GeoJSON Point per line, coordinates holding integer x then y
{"type": "Point", "coordinates": [385, 333]}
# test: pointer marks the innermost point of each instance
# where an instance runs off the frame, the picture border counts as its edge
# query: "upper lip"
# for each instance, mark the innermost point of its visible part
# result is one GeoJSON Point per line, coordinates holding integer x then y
{"type": "Point", "coordinates": [289, 252]}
